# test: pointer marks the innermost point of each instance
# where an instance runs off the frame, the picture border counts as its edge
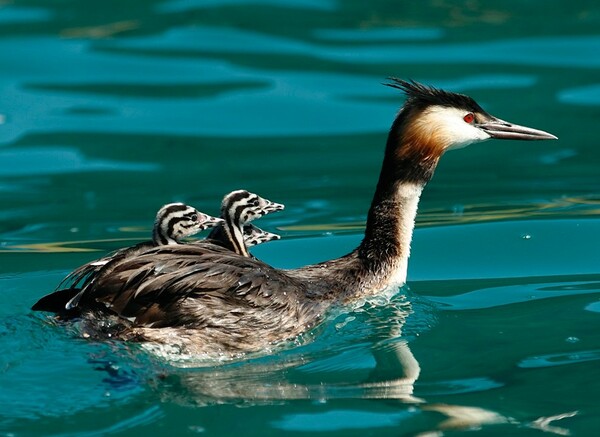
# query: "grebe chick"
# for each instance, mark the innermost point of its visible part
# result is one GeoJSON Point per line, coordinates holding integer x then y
{"type": "Point", "coordinates": [254, 235]}
{"type": "Point", "coordinates": [204, 300]}
{"type": "Point", "coordinates": [238, 208]}
{"type": "Point", "coordinates": [173, 222]}
{"type": "Point", "coordinates": [176, 221]}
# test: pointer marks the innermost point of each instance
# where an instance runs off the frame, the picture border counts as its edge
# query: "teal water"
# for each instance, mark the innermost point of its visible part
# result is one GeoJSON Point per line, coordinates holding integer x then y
{"type": "Point", "coordinates": [110, 109]}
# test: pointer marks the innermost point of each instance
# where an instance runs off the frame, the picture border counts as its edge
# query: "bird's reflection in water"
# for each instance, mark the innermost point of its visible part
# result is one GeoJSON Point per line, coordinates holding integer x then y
{"type": "Point", "coordinates": [381, 367]}
{"type": "Point", "coordinates": [388, 374]}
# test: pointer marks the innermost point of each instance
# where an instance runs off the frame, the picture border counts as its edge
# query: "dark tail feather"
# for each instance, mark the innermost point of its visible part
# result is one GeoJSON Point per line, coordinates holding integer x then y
{"type": "Point", "coordinates": [56, 302]}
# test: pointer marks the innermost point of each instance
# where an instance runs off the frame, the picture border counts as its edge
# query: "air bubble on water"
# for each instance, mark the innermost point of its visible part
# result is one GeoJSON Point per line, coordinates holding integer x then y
{"type": "Point", "coordinates": [526, 237]}
{"type": "Point", "coordinates": [458, 210]}
{"type": "Point", "coordinates": [572, 340]}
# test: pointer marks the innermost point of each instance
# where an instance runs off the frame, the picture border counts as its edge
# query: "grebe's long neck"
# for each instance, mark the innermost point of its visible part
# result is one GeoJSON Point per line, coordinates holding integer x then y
{"type": "Point", "coordinates": [230, 235]}
{"type": "Point", "coordinates": [235, 236]}
{"type": "Point", "coordinates": [385, 248]}
{"type": "Point", "coordinates": [408, 165]}
{"type": "Point", "coordinates": [380, 262]}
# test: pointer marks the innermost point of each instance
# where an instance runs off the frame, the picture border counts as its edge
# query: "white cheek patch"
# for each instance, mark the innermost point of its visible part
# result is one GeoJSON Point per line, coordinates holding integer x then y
{"type": "Point", "coordinates": [231, 210]}
{"type": "Point", "coordinates": [164, 226]}
{"type": "Point", "coordinates": [450, 126]}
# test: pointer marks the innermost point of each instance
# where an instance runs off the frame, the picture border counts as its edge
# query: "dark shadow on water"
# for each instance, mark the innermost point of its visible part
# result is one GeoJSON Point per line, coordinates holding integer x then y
{"type": "Point", "coordinates": [149, 90]}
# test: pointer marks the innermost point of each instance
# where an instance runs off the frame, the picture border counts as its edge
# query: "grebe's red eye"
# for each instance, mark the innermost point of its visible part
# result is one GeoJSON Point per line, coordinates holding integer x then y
{"type": "Point", "coordinates": [469, 118]}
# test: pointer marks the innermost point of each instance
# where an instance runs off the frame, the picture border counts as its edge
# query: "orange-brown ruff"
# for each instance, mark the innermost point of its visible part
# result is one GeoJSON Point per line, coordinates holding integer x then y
{"type": "Point", "coordinates": [203, 299]}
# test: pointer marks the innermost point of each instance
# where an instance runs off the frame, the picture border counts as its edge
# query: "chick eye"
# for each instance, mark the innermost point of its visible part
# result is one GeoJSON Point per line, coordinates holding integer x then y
{"type": "Point", "coordinates": [469, 118]}
{"type": "Point", "coordinates": [194, 217]}
{"type": "Point", "coordinates": [255, 203]}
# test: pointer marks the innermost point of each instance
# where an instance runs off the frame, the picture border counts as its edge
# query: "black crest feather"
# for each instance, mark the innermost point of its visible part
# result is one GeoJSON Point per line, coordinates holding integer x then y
{"type": "Point", "coordinates": [419, 95]}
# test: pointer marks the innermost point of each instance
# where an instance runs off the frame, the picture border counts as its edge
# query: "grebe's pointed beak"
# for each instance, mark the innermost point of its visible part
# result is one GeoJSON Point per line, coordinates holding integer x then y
{"type": "Point", "coordinates": [211, 222]}
{"type": "Point", "coordinates": [272, 207]}
{"type": "Point", "coordinates": [504, 130]}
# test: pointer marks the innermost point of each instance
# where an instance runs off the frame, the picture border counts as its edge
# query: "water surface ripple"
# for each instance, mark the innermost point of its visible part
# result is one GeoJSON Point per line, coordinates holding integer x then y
{"type": "Point", "coordinates": [111, 109]}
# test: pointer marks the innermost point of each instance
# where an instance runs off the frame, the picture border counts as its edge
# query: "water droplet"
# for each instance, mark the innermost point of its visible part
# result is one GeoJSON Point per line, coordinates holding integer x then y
{"type": "Point", "coordinates": [458, 209]}
{"type": "Point", "coordinates": [526, 237]}
{"type": "Point", "coordinates": [572, 340]}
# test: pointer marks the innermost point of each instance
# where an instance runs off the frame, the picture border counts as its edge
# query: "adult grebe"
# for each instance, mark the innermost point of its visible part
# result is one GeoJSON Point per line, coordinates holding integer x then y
{"type": "Point", "coordinates": [173, 222]}
{"type": "Point", "coordinates": [238, 208]}
{"type": "Point", "coordinates": [203, 299]}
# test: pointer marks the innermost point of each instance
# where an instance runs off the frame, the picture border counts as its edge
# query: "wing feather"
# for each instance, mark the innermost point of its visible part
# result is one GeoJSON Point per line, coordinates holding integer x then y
{"type": "Point", "coordinates": [190, 285]}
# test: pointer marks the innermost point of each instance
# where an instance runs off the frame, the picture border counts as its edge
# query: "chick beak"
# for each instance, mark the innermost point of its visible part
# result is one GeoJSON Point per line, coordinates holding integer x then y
{"type": "Point", "coordinates": [211, 222]}
{"type": "Point", "coordinates": [274, 207]}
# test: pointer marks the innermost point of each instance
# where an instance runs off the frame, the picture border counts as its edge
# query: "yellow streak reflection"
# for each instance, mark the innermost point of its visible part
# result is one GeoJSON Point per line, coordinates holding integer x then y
{"type": "Point", "coordinates": [469, 214]}
{"type": "Point", "coordinates": [101, 31]}
{"type": "Point", "coordinates": [63, 246]}
{"type": "Point", "coordinates": [479, 213]}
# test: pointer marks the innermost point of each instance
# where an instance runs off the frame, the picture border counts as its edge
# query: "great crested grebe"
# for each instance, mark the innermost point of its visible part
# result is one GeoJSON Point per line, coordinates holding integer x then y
{"type": "Point", "coordinates": [238, 208]}
{"type": "Point", "coordinates": [254, 235]}
{"type": "Point", "coordinates": [205, 300]}
{"type": "Point", "coordinates": [173, 222]}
